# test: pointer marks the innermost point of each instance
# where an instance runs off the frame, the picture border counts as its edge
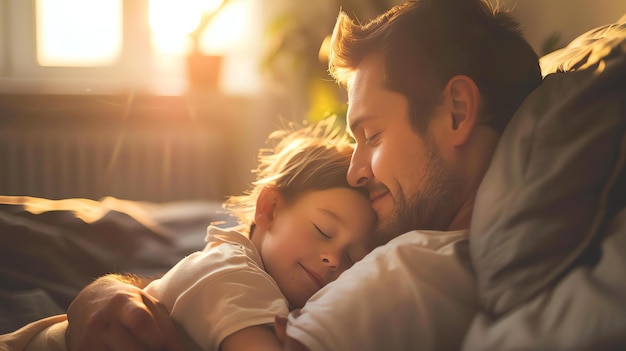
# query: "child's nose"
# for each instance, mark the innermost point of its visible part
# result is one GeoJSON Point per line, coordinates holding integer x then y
{"type": "Point", "coordinates": [332, 261]}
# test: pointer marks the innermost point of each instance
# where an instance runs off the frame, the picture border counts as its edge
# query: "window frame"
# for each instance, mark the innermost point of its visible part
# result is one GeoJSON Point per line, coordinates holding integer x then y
{"type": "Point", "coordinates": [21, 71]}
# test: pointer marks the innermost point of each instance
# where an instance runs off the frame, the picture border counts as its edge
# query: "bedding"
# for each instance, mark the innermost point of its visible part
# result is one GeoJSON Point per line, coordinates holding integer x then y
{"type": "Point", "coordinates": [50, 249]}
{"type": "Point", "coordinates": [548, 233]}
{"type": "Point", "coordinates": [546, 196]}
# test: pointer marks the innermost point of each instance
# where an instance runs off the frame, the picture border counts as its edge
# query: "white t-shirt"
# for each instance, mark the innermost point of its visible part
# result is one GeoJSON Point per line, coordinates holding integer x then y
{"type": "Point", "coordinates": [220, 290]}
{"type": "Point", "coordinates": [414, 293]}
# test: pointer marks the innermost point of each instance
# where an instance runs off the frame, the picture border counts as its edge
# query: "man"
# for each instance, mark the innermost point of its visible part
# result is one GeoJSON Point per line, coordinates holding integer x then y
{"type": "Point", "coordinates": [431, 85]}
{"type": "Point", "coordinates": [426, 108]}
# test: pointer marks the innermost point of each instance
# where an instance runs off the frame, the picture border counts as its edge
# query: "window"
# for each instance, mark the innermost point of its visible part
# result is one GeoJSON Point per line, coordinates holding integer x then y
{"type": "Point", "coordinates": [109, 46]}
{"type": "Point", "coordinates": [78, 33]}
{"type": "Point", "coordinates": [232, 34]}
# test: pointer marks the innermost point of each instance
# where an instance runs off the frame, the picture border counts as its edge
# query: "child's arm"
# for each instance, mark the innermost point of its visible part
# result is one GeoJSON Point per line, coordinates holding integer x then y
{"type": "Point", "coordinates": [257, 337]}
{"type": "Point", "coordinates": [289, 344]}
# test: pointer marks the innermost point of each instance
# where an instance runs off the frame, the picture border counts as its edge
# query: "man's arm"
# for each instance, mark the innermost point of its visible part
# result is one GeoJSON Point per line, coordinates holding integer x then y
{"type": "Point", "coordinates": [113, 313]}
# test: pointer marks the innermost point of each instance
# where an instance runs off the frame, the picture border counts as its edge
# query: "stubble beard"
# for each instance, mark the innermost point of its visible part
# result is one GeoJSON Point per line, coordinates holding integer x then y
{"type": "Point", "coordinates": [432, 207]}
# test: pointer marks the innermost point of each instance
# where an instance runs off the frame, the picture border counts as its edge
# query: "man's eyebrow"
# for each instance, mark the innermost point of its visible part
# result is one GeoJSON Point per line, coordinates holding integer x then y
{"type": "Point", "coordinates": [358, 121]}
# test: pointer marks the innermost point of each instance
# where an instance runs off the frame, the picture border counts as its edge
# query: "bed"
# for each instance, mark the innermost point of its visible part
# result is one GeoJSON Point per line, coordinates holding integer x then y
{"type": "Point", "coordinates": [50, 249]}
{"type": "Point", "coordinates": [549, 221]}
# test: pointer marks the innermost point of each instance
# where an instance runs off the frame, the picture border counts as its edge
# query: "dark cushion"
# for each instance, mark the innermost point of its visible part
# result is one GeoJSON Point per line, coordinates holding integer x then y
{"type": "Point", "coordinates": [545, 196]}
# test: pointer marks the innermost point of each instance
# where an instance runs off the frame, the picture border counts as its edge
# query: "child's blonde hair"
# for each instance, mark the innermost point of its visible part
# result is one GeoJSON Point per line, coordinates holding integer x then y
{"type": "Point", "coordinates": [315, 157]}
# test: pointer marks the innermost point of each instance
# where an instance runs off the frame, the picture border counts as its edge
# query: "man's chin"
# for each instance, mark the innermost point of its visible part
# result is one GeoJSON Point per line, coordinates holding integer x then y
{"type": "Point", "coordinates": [393, 224]}
{"type": "Point", "coordinates": [387, 230]}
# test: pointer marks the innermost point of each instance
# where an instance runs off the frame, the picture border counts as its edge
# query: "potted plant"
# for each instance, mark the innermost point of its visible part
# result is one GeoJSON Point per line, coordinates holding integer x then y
{"type": "Point", "coordinates": [203, 71]}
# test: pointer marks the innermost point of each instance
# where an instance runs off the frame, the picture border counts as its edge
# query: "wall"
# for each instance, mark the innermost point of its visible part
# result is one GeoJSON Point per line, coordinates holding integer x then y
{"type": "Point", "coordinates": [151, 148]}
{"type": "Point", "coordinates": [568, 18]}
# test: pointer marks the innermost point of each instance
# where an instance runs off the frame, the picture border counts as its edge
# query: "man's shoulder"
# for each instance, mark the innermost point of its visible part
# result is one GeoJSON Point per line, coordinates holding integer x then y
{"type": "Point", "coordinates": [427, 239]}
{"type": "Point", "coordinates": [415, 253]}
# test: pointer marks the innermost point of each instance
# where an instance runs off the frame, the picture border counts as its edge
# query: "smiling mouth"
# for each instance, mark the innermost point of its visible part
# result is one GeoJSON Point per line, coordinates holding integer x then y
{"type": "Point", "coordinates": [378, 196]}
{"type": "Point", "coordinates": [314, 277]}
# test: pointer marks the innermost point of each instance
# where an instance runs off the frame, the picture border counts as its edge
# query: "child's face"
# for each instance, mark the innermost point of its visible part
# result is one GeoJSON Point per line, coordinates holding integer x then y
{"type": "Point", "coordinates": [312, 241]}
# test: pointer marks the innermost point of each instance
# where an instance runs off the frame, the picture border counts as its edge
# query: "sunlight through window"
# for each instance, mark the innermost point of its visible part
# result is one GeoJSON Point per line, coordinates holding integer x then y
{"type": "Point", "coordinates": [171, 22]}
{"type": "Point", "coordinates": [227, 30]}
{"type": "Point", "coordinates": [78, 33]}
{"type": "Point", "coordinates": [229, 34]}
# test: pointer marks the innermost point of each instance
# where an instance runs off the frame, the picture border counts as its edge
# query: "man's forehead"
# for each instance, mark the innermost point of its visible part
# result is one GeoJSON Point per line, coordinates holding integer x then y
{"type": "Point", "coordinates": [371, 70]}
{"type": "Point", "coordinates": [365, 86]}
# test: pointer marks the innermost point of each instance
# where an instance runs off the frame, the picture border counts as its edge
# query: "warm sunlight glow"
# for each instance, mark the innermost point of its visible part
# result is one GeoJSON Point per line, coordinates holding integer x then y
{"type": "Point", "coordinates": [227, 30]}
{"type": "Point", "coordinates": [171, 22]}
{"type": "Point", "coordinates": [78, 33]}
{"type": "Point", "coordinates": [232, 34]}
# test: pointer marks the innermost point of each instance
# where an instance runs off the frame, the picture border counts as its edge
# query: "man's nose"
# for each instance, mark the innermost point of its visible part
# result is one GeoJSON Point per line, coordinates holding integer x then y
{"type": "Point", "coordinates": [359, 171]}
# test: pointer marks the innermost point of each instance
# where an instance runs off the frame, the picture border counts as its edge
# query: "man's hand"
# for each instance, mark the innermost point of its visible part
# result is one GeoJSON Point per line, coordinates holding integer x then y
{"type": "Point", "coordinates": [114, 314]}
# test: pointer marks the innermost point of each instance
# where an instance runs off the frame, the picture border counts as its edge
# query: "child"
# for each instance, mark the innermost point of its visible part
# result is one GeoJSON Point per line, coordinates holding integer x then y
{"type": "Point", "coordinates": [306, 226]}
{"type": "Point", "coordinates": [301, 226]}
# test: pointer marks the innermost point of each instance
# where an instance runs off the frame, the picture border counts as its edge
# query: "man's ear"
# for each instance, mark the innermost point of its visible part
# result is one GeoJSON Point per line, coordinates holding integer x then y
{"type": "Point", "coordinates": [464, 103]}
{"type": "Point", "coordinates": [265, 206]}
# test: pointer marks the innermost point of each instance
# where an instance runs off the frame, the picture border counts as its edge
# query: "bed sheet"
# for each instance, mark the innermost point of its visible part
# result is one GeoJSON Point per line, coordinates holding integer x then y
{"type": "Point", "coordinates": [50, 249]}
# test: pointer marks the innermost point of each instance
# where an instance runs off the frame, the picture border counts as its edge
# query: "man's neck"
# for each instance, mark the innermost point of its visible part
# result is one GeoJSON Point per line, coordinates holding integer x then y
{"type": "Point", "coordinates": [463, 218]}
{"type": "Point", "coordinates": [477, 157]}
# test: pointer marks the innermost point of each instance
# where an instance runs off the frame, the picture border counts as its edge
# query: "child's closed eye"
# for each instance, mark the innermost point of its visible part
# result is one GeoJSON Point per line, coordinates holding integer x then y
{"type": "Point", "coordinates": [322, 233]}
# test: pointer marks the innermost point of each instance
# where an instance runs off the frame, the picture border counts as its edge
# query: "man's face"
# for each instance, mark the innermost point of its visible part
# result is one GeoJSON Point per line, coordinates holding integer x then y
{"type": "Point", "coordinates": [410, 183]}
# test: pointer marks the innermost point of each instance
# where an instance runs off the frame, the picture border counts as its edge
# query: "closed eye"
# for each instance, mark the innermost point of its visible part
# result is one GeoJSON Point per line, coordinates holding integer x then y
{"type": "Point", "coordinates": [372, 139]}
{"type": "Point", "coordinates": [321, 232]}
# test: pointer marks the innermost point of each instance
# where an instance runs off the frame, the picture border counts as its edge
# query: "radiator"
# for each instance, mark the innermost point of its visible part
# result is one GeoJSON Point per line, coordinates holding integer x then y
{"type": "Point", "coordinates": [152, 164]}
